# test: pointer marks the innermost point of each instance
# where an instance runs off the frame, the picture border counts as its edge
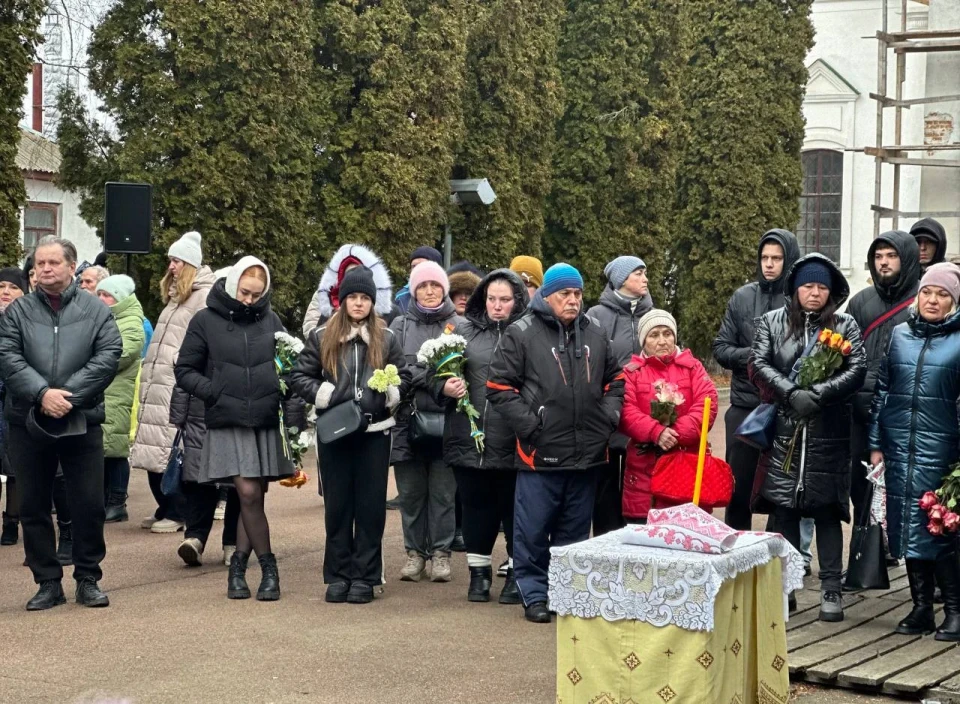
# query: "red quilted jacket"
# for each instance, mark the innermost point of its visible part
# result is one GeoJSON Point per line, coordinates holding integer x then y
{"type": "Point", "coordinates": [684, 370]}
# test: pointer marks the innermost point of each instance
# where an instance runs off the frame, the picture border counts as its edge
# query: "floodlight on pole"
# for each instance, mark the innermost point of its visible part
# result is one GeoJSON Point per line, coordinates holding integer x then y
{"type": "Point", "coordinates": [465, 191]}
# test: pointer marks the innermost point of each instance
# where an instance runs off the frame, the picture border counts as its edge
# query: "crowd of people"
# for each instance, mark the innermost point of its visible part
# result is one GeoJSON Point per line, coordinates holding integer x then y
{"type": "Point", "coordinates": [562, 442]}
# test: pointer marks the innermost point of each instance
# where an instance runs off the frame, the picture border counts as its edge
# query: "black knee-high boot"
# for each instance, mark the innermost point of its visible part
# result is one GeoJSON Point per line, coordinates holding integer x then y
{"type": "Point", "coordinates": [948, 575]}
{"type": "Point", "coordinates": [920, 620]}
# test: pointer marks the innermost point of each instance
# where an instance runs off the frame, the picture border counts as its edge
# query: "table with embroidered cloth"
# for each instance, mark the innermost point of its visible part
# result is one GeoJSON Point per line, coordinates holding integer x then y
{"type": "Point", "coordinates": [700, 621]}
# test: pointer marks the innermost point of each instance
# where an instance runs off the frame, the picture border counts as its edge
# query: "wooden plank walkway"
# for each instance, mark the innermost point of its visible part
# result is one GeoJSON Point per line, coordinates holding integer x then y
{"type": "Point", "coordinates": [862, 652]}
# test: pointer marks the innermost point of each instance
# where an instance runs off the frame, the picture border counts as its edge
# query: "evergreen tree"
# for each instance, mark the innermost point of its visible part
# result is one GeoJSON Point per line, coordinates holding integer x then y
{"type": "Point", "coordinates": [391, 77]}
{"type": "Point", "coordinates": [615, 162]}
{"type": "Point", "coordinates": [740, 171]}
{"type": "Point", "coordinates": [213, 106]}
{"type": "Point", "coordinates": [19, 37]}
{"type": "Point", "coordinates": [512, 99]}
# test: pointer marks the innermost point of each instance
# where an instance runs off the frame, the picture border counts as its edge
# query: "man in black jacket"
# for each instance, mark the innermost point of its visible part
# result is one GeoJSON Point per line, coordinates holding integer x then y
{"type": "Point", "coordinates": [776, 255]}
{"type": "Point", "coordinates": [556, 380]}
{"type": "Point", "coordinates": [59, 350]}
{"type": "Point", "coordinates": [932, 239]}
{"type": "Point", "coordinates": [895, 262]}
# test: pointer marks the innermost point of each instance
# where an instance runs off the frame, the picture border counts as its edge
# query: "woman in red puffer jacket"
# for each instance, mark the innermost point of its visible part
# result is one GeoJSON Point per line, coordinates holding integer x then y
{"type": "Point", "coordinates": [661, 360]}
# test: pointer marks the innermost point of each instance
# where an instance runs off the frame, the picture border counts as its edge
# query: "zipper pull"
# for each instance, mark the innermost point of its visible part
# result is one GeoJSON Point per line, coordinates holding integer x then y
{"type": "Point", "coordinates": [56, 329]}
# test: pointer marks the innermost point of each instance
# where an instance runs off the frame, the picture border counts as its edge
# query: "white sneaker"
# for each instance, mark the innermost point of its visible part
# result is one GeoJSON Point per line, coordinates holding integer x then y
{"type": "Point", "coordinates": [167, 526]}
{"type": "Point", "coordinates": [147, 523]}
{"type": "Point", "coordinates": [228, 551]}
{"type": "Point", "coordinates": [221, 511]}
{"type": "Point", "coordinates": [413, 570]}
{"type": "Point", "coordinates": [440, 572]}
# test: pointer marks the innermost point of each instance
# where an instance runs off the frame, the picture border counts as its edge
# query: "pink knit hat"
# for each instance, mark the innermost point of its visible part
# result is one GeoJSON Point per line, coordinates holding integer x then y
{"type": "Point", "coordinates": [946, 276]}
{"type": "Point", "coordinates": [428, 271]}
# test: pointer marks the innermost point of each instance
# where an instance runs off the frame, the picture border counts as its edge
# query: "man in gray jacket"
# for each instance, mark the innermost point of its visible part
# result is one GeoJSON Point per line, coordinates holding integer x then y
{"type": "Point", "coordinates": [59, 350]}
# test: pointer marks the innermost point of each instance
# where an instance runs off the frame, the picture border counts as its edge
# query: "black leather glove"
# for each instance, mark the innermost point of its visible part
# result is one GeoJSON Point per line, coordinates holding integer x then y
{"type": "Point", "coordinates": [804, 403]}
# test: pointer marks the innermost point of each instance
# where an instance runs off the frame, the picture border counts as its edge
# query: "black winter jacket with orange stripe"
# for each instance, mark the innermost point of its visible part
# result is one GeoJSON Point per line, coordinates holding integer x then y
{"type": "Point", "coordinates": [561, 388]}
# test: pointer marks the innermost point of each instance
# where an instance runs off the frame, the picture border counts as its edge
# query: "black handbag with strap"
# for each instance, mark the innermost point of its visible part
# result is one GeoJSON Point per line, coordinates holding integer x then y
{"type": "Point", "coordinates": [867, 568]}
{"type": "Point", "coordinates": [340, 421]}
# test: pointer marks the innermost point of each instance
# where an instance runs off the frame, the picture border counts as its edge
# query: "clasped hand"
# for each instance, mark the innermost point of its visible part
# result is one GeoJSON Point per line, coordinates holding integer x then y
{"type": "Point", "coordinates": [455, 387]}
{"type": "Point", "coordinates": [55, 404]}
{"type": "Point", "coordinates": [668, 439]}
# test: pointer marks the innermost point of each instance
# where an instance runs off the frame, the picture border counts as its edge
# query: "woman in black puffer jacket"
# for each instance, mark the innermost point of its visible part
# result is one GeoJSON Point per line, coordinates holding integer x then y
{"type": "Point", "coordinates": [227, 361]}
{"type": "Point", "coordinates": [486, 480]}
{"type": "Point", "coordinates": [817, 482]}
{"type": "Point", "coordinates": [335, 367]}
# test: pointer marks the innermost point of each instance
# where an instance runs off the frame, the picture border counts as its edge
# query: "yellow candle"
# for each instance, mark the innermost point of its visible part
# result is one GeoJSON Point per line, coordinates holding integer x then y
{"type": "Point", "coordinates": [701, 458]}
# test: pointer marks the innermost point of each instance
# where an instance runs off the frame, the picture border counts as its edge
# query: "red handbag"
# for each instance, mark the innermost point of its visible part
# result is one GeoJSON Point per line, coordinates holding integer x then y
{"type": "Point", "coordinates": [675, 475]}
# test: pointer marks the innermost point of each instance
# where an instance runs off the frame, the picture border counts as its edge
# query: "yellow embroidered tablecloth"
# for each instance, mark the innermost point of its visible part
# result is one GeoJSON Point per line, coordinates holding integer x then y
{"type": "Point", "coordinates": [742, 660]}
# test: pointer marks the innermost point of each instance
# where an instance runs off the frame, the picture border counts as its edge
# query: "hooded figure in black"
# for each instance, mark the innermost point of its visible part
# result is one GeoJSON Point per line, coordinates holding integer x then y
{"type": "Point", "coordinates": [486, 475]}
{"type": "Point", "coordinates": [732, 350]}
{"type": "Point", "coordinates": [932, 239]}
{"type": "Point", "coordinates": [806, 473]}
{"type": "Point", "coordinates": [894, 260]}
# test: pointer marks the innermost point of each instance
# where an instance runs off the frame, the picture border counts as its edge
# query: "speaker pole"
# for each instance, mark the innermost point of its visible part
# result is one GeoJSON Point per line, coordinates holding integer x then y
{"type": "Point", "coordinates": [128, 265]}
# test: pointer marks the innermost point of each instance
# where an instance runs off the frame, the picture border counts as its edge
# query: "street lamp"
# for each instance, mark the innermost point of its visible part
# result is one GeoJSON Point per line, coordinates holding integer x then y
{"type": "Point", "coordinates": [465, 191]}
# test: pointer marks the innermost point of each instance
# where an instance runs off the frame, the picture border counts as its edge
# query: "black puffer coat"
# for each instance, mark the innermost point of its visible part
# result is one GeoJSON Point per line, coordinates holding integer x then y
{"type": "Point", "coordinates": [932, 227]}
{"type": "Point", "coordinates": [560, 387]}
{"type": "Point", "coordinates": [76, 349]}
{"type": "Point", "coordinates": [483, 340]}
{"type": "Point", "coordinates": [311, 381]}
{"type": "Point", "coordinates": [819, 472]}
{"type": "Point", "coordinates": [227, 361]}
{"type": "Point", "coordinates": [186, 413]}
{"type": "Point", "coordinates": [870, 303]}
{"type": "Point", "coordinates": [413, 328]}
{"type": "Point", "coordinates": [733, 345]}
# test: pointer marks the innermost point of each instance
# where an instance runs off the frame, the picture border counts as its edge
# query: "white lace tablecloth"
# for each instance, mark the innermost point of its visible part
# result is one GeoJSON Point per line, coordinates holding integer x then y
{"type": "Point", "coordinates": [603, 577]}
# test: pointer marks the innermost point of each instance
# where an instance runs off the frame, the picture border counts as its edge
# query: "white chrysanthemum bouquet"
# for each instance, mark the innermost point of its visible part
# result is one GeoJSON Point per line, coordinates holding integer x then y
{"type": "Point", "coordinates": [295, 442]}
{"type": "Point", "coordinates": [445, 355]}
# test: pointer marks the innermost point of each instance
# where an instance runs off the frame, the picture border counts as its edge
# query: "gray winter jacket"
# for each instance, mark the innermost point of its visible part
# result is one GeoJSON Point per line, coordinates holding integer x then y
{"type": "Point", "coordinates": [413, 329]}
{"type": "Point", "coordinates": [618, 316]}
{"type": "Point", "coordinates": [76, 349]}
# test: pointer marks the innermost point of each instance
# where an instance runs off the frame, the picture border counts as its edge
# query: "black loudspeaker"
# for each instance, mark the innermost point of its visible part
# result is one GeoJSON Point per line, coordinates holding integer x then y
{"type": "Point", "coordinates": [127, 218]}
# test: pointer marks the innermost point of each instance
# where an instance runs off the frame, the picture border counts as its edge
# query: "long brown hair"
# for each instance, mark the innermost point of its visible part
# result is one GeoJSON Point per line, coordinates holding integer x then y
{"type": "Point", "coordinates": [184, 284]}
{"type": "Point", "coordinates": [335, 338]}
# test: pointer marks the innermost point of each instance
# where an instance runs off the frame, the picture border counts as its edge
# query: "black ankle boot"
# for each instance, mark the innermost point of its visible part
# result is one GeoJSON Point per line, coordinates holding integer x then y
{"type": "Point", "coordinates": [511, 592]}
{"type": "Point", "coordinates": [89, 594]}
{"type": "Point", "coordinates": [49, 595]}
{"type": "Point", "coordinates": [11, 530]}
{"type": "Point", "coordinates": [270, 580]}
{"type": "Point", "coordinates": [65, 544]}
{"type": "Point", "coordinates": [480, 580]}
{"type": "Point", "coordinates": [947, 570]}
{"type": "Point", "coordinates": [920, 620]}
{"type": "Point", "coordinates": [237, 576]}
{"type": "Point", "coordinates": [116, 508]}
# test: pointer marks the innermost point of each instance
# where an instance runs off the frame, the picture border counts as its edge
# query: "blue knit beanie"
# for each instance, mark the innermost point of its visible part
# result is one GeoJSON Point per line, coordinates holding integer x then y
{"type": "Point", "coordinates": [813, 272]}
{"type": "Point", "coordinates": [619, 270]}
{"type": "Point", "coordinates": [559, 277]}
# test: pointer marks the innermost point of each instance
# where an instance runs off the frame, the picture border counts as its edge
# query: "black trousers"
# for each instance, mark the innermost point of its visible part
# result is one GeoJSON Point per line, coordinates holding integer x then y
{"type": "Point", "coordinates": [167, 506]}
{"type": "Point", "coordinates": [743, 461]}
{"type": "Point", "coordinates": [829, 535]}
{"type": "Point", "coordinates": [608, 505]}
{"type": "Point", "coordinates": [81, 458]}
{"type": "Point", "coordinates": [487, 496]}
{"type": "Point", "coordinates": [354, 471]}
{"type": "Point", "coordinates": [859, 484]}
{"type": "Point", "coordinates": [199, 505]}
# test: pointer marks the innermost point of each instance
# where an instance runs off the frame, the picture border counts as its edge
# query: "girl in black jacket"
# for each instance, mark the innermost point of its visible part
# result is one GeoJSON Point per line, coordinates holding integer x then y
{"type": "Point", "coordinates": [816, 483]}
{"type": "Point", "coordinates": [335, 367]}
{"type": "Point", "coordinates": [486, 479]}
{"type": "Point", "coordinates": [227, 361]}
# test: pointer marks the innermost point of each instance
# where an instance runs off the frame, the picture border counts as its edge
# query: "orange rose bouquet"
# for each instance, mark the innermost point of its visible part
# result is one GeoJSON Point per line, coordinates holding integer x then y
{"type": "Point", "coordinates": [825, 360]}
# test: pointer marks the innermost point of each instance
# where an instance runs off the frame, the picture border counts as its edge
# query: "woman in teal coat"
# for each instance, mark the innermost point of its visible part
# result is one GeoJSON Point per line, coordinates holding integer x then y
{"type": "Point", "coordinates": [915, 433]}
{"type": "Point", "coordinates": [118, 292]}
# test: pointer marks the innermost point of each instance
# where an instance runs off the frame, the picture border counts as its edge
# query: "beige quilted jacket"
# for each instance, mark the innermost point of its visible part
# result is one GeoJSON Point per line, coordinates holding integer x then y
{"type": "Point", "coordinates": [154, 432]}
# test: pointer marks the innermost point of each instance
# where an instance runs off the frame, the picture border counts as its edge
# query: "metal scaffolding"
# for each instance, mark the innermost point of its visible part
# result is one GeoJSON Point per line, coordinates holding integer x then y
{"type": "Point", "coordinates": [902, 43]}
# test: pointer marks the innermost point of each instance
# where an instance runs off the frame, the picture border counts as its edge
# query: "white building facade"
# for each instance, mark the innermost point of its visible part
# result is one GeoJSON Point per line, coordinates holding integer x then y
{"type": "Point", "coordinates": [839, 183]}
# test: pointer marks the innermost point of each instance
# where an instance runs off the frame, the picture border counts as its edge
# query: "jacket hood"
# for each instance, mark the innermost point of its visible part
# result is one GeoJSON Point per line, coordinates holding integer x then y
{"type": "Point", "coordinates": [476, 311]}
{"type": "Point", "coordinates": [791, 254]}
{"type": "Point", "coordinates": [204, 278]}
{"type": "Point", "coordinates": [839, 291]}
{"type": "Point", "coordinates": [931, 227]}
{"type": "Point", "coordinates": [909, 278]}
{"type": "Point", "coordinates": [381, 278]}
{"type": "Point", "coordinates": [681, 357]}
{"type": "Point", "coordinates": [924, 329]}
{"type": "Point", "coordinates": [129, 307]}
{"type": "Point", "coordinates": [620, 304]}
{"type": "Point", "coordinates": [446, 310]}
{"type": "Point", "coordinates": [226, 306]}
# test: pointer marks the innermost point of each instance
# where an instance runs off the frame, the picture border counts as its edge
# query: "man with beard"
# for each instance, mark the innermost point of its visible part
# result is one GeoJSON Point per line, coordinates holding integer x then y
{"type": "Point", "coordinates": [894, 259]}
